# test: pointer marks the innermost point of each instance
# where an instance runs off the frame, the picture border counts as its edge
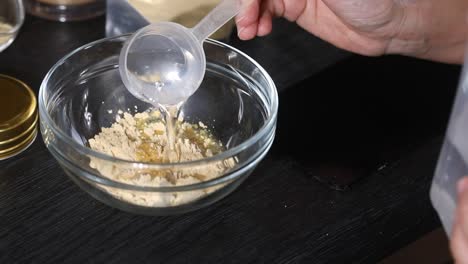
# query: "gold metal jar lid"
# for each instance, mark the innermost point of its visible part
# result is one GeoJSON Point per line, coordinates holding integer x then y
{"type": "Point", "coordinates": [18, 116]}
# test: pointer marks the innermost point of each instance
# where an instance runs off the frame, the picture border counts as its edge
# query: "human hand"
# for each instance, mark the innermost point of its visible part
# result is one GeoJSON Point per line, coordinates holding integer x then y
{"type": "Point", "coordinates": [459, 239]}
{"type": "Point", "coordinates": [430, 29]}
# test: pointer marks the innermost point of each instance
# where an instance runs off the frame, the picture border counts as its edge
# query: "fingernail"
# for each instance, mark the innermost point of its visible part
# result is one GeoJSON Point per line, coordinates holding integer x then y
{"type": "Point", "coordinates": [462, 185]}
{"type": "Point", "coordinates": [239, 31]}
{"type": "Point", "coordinates": [239, 18]}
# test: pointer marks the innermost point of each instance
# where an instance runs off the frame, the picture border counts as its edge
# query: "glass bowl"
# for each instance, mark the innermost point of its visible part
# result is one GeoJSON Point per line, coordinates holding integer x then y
{"type": "Point", "coordinates": [11, 20]}
{"type": "Point", "coordinates": [83, 92]}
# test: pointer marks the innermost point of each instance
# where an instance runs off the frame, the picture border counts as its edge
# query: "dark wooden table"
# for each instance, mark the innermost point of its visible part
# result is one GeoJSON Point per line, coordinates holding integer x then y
{"type": "Point", "coordinates": [379, 120]}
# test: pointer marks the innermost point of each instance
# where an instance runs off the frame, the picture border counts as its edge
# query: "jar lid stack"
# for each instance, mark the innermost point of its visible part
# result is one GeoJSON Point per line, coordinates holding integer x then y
{"type": "Point", "coordinates": [18, 116]}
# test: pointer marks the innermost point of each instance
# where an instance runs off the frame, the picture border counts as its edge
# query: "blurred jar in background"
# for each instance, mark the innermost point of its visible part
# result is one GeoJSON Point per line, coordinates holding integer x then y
{"type": "Point", "coordinates": [185, 12]}
{"type": "Point", "coordinates": [65, 10]}
{"type": "Point", "coordinates": [11, 19]}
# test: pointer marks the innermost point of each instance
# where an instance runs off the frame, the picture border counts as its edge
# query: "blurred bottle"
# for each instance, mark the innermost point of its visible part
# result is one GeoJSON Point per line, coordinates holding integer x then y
{"type": "Point", "coordinates": [139, 13]}
{"type": "Point", "coordinates": [453, 159]}
{"type": "Point", "coordinates": [66, 10]}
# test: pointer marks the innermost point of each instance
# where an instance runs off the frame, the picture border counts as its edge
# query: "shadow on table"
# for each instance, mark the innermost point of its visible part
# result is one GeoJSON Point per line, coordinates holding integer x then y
{"type": "Point", "coordinates": [360, 116]}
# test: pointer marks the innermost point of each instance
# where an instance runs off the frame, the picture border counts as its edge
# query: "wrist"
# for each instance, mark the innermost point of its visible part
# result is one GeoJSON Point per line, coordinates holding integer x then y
{"type": "Point", "coordinates": [434, 30]}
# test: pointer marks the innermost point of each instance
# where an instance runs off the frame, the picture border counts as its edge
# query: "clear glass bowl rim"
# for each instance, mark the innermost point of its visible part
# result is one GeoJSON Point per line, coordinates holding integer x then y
{"type": "Point", "coordinates": [263, 131]}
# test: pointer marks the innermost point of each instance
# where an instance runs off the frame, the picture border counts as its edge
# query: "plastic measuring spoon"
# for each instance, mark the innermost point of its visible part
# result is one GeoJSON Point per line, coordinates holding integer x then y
{"type": "Point", "coordinates": [164, 63]}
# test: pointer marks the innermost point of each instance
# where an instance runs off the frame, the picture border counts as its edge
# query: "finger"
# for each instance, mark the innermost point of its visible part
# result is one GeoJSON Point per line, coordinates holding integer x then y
{"type": "Point", "coordinates": [462, 185]}
{"type": "Point", "coordinates": [458, 244]}
{"type": "Point", "coordinates": [265, 24]}
{"type": "Point", "coordinates": [291, 10]}
{"type": "Point", "coordinates": [248, 12]}
{"type": "Point", "coordinates": [247, 32]}
{"type": "Point", "coordinates": [247, 19]}
{"type": "Point", "coordinates": [459, 239]}
{"type": "Point", "coordinates": [462, 206]}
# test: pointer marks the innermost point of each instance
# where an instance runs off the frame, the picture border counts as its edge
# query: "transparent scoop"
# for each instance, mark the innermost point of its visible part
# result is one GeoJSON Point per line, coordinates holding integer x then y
{"type": "Point", "coordinates": [164, 63]}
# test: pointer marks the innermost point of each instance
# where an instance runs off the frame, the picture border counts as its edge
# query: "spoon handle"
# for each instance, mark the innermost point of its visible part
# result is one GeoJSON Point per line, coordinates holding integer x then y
{"type": "Point", "coordinates": [219, 16]}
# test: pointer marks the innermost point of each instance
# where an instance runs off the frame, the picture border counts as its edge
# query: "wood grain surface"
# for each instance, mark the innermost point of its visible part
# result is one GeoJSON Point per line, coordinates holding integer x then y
{"type": "Point", "coordinates": [281, 214]}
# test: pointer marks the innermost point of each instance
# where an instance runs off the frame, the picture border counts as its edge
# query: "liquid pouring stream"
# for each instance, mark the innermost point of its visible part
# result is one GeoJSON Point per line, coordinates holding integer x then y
{"type": "Point", "coordinates": [164, 63]}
